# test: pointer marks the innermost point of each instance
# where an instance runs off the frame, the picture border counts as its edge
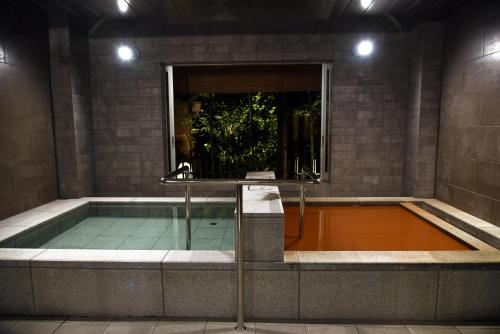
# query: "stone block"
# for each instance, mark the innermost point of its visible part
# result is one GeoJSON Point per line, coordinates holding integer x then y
{"type": "Point", "coordinates": [16, 292]}
{"type": "Point", "coordinates": [199, 293]}
{"type": "Point", "coordinates": [469, 295]}
{"type": "Point", "coordinates": [264, 239]}
{"type": "Point", "coordinates": [369, 295]}
{"type": "Point", "coordinates": [97, 292]}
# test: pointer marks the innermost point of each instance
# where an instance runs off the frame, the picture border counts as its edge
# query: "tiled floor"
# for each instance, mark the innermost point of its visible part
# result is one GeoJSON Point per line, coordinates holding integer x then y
{"type": "Point", "coordinates": [151, 326]}
{"type": "Point", "coordinates": [146, 233]}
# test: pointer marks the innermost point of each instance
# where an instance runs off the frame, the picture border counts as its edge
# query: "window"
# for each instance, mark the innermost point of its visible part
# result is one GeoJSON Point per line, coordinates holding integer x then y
{"type": "Point", "coordinates": [226, 120]}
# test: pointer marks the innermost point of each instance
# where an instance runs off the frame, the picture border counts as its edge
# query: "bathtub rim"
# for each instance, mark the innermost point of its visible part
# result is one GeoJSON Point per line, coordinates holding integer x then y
{"type": "Point", "coordinates": [224, 260]}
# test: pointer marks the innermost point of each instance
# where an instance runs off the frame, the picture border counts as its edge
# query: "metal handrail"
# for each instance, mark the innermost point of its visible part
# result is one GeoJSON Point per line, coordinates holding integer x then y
{"type": "Point", "coordinates": [310, 173]}
{"type": "Point", "coordinates": [175, 173]}
{"type": "Point", "coordinates": [252, 182]}
{"type": "Point", "coordinates": [306, 172]}
{"type": "Point", "coordinates": [169, 180]}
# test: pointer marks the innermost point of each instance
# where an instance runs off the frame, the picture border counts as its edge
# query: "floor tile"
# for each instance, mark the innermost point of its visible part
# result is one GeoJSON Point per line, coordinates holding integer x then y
{"type": "Point", "coordinates": [432, 330]}
{"type": "Point", "coordinates": [131, 327]}
{"type": "Point", "coordinates": [167, 222]}
{"type": "Point", "coordinates": [149, 231]}
{"type": "Point", "coordinates": [331, 329]}
{"type": "Point", "coordinates": [262, 328]}
{"type": "Point", "coordinates": [120, 230]}
{"type": "Point", "coordinates": [83, 327]}
{"type": "Point", "coordinates": [170, 244]}
{"type": "Point", "coordinates": [227, 328]}
{"type": "Point", "coordinates": [91, 227]}
{"type": "Point", "coordinates": [478, 330]}
{"type": "Point", "coordinates": [382, 330]}
{"type": "Point", "coordinates": [227, 244]}
{"type": "Point", "coordinates": [209, 232]}
{"type": "Point", "coordinates": [70, 241]}
{"type": "Point", "coordinates": [34, 327]}
{"type": "Point", "coordinates": [104, 220]}
{"type": "Point", "coordinates": [138, 243]}
{"type": "Point", "coordinates": [212, 223]}
{"type": "Point", "coordinates": [105, 242]}
{"type": "Point", "coordinates": [172, 233]}
{"type": "Point", "coordinates": [206, 244]}
{"type": "Point", "coordinates": [132, 220]}
{"type": "Point", "coordinates": [172, 327]}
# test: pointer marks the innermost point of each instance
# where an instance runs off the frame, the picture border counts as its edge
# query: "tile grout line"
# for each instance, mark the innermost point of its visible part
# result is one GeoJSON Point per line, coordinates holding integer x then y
{"type": "Point", "coordinates": [437, 295]}
{"type": "Point", "coordinates": [60, 324]}
{"type": "Point", "coordinates": [31, 280]}
{"type": "Point", "coordinates": [107, 326]}
{"type": "Point", "coordinates": [298, 294]}
{"type": "Point", "coordinates": [162, 284]}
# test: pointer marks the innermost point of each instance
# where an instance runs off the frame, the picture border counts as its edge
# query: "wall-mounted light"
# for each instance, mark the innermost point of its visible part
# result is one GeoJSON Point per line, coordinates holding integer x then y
{"type": "Point", "coordinates": [363, 48]}
{"type": "Point", "coordinates": [122, 5]}
{"type": "Point", "coordinates": [366, 3]}
{"type": "Point", "coordinates": [2, 51]}
{"type": "Point", "coordinates": [127, 53]}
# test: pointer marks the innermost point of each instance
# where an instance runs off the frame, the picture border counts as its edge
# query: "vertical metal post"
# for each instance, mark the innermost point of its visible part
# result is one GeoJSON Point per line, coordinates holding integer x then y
{"type": "Point", "coordinates": [240, 288]}
{"type": "Point", "coordinates": [171, 117]}
{"type": "Point", "coordinates": [187, 199]}
{"type": "Point", "coordinates": [296, 167]}
{"type": "Point", "coordinates": [301, 211]}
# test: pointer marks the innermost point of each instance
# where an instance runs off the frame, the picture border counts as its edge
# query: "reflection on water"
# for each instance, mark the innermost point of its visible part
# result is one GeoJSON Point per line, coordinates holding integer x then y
{"type": "Point", "coordinates": [374, 228]}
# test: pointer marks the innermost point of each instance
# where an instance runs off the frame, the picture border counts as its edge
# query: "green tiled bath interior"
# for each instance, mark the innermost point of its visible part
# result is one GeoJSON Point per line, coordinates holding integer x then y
{"type": "Point", "coordinates": [114, 226]}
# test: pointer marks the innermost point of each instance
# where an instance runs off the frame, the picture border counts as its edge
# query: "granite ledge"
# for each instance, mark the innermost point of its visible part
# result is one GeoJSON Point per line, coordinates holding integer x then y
{"type": "Point", "coordinates": [199, 259]}
{"type": "Point", "coordinates": [8, 232]}
{"type": "Point", "coordinates": [217, 260]}
{"type": "Point", "coordinates": [18, 257]}
{"type": "Point", "coordinates": [352, 200]}
{"type": "Point", "coordinates": [451, 229]}
{"type": "Point", "coordinates": [397, 260]}
{"type": "Point", "coordinates": [99, 259]}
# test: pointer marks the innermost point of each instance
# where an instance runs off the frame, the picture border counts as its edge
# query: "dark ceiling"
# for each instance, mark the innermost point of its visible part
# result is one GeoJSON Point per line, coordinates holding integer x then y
{"type": "Point", "coordinates": [146, 17]}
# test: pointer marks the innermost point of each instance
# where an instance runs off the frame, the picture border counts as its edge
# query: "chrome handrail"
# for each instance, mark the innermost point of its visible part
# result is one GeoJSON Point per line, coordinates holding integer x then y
{"type": "Point", "coordinates": [310, 173]}
{"type": "Point", "coordinates": [252, 182]}
{"type": "Point", "coordinates": [169, 180]}
{"type": "Point", "coordinates": [175, 173]}
{"type": "Point", "coordinates": [306, 173]}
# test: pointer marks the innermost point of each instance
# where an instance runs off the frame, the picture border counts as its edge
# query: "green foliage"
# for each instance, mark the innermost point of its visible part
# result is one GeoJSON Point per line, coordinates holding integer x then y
{"type": "Point", "coordinates": [241, 131]}
{"type": "Point", "coordinates": [311, 112]}
{"type": "Point", "coordinates": [312, 109]}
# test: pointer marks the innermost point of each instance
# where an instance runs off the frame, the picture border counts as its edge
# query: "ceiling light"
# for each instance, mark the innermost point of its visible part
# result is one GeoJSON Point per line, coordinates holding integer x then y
{"type": "Point", "coordinates": [122, 5]}
{"type": "Point", "coordinates": [366, 3]}
{"type": "Point", "coordinates": [363, 48]}
{"type": "Point", "coordinates": [127, 53]}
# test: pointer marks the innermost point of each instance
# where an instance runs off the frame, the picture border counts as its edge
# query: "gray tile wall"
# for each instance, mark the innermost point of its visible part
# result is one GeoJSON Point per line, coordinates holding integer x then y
{"type": "Point", "coordinates": [27, 165]}
{"type": "Point", "coordinates": [72, 112]}
{"type": "Point", "coordinates": [468, 174]}
{"type": "Point", "coordinates": [424, 90]}
{"type": "Point", "coordinates": [367, 112]}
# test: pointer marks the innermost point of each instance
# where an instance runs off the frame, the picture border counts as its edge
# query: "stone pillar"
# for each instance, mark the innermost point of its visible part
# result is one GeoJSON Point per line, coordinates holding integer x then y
{"type": "Point", "coordinates": [69, 63]}
{"type": "Point", "coordinates": [264, 221]}
{"type": "Point", "coordinates": [422, 120]}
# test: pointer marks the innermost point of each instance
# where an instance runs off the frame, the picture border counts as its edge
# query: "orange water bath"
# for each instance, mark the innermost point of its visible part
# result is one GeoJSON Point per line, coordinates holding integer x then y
{"type": "Point", "coordinates": [376, 228]}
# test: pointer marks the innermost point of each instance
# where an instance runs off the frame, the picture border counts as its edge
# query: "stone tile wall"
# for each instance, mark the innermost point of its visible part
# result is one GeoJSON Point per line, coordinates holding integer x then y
{"type": "Point", "coordinates": [367, 111]}
{"type": "Point", "coordinates": [424, 91]}
{"type": "Point", "coordinates": [27, 165]}
{"type": "Point", "coordinates": [72, 112]}
{"type": "Point", "coordinates": [468, 173]}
